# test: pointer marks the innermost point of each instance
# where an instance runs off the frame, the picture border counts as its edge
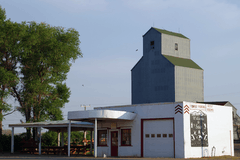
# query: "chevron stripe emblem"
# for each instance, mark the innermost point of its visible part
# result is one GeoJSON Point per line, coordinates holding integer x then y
{"type": "Point", "coordinates": [178, 109]}
{"type": "Point", "coordinates": [186, 109]}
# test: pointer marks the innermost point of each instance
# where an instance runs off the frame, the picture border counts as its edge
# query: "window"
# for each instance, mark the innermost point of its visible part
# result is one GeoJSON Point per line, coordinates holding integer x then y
{"type": "Point", "coordinates": [102, 138]}
{"type": "Point", "coordinates": [158, 135]}
{"type": "Point", "coordinates": [170, 135]}
{"type": "Point", "coordinates": [152, 135]}
{"type": "Point", "coordinates": [152, 44]}
{"type": "Point", "coordinates": [126, 137]}
{"type": "Point", "coordinates": [164, 135]}
{"type": "Point", "coordinates": [147, 135]}
{"type": "Point", "coordinates": [176, 46]}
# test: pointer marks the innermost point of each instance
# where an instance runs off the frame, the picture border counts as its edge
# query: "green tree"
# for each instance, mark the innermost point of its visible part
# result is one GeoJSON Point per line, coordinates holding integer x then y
{"type": "Point", "coordinates": [45, 61]}
{"type": "Point", "coordinates": [10, 35]}
{"type": "Point", "coordinates": [35, 61]}
{"type": "Point", "coordinates": [49, 138]}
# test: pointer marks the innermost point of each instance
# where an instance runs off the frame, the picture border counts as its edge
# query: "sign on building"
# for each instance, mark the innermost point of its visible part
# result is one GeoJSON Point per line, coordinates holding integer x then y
{"type": "Point", "coordinates": [199, 132]}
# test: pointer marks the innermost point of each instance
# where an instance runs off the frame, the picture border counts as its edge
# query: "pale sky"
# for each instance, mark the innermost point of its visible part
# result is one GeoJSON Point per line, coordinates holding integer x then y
{"type": "Point", "coordinates": [111, 31]}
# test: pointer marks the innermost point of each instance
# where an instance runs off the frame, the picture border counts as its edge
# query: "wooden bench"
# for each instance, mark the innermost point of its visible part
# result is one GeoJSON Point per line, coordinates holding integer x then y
{"type": "Point", "coordinates": [80, 149]}
{"type": "Point", "coordinates": [54, 150]}
{"type": "Point", "coordinates": [29, 146]}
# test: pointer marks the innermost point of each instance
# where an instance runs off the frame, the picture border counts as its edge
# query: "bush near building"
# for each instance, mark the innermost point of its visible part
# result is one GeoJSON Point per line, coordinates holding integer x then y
{"type": "Point", "coordinates": [49, 138]}
{"type": "Point", "coordinates": [5, 143]}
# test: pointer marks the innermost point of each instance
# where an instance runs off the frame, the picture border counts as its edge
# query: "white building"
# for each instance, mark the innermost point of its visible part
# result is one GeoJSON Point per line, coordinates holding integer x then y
{"type": "Point", "coordinates": [174, 129]}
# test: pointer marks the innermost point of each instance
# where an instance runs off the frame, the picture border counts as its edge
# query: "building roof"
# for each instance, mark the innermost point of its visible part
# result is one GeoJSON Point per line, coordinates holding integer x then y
{"type": "Point", "coordinates": [136, 105]}
{"type": "Point", "coordinates": [170, 33]}
{"type": "Point", "coordinates": [182, 62]}
{"type": "Point", "coordinates": [221, 103]}
{"type": "Point", "coordinates": [137, 63]}
{"type": "Point", "coordinates": [91, 115]}
{"type": "Point", "coordinates": [58, 125]}
{"type": "Point", "coordinates": [163, 31]}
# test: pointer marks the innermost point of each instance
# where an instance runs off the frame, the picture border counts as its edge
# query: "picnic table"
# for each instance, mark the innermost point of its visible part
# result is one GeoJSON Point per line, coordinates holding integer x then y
{"type": "Point", "coordinates": [79, 149]}
{"type": "Point", "coordinates": [31, 147]}
{"type": "Point", "coordinates": [54, 150]}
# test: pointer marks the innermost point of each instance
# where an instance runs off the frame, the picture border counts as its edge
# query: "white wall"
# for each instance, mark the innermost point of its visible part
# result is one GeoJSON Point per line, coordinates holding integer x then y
{"type": "Point", "coordinates": [147, 111]}
{"type": "Point", "coordinates": [168, 46]}
{"type": "Point", "coordinates": [188, 84]}
{"type": "Point", "coordinates": [179, 132]}
{"type": "Point", "coordinates": [220, 131]}
{"type": "Point", "coordinates": [122, 150]}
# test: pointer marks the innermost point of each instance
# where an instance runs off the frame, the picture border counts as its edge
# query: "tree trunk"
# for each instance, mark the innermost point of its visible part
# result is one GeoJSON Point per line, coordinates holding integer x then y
{"type": "Point", "coordinates": [34, 133]}
{"type": "Point", "coordinates": [0, 125]}
{"type": "Point", "coordinates": [27, 116]}
{"type": "Point", "coordinates": [1, 147]}
{"type": "Point", "coordinates": [28, 133]}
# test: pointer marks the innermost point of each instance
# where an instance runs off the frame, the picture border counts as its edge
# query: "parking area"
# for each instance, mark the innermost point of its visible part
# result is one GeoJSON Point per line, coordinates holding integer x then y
{"type": "Point", "coordinates": [20, 156]}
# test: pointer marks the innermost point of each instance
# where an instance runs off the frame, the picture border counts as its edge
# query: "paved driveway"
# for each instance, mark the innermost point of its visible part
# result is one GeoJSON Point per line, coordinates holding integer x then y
{"type": "Point", "coordinates": [18, 156]}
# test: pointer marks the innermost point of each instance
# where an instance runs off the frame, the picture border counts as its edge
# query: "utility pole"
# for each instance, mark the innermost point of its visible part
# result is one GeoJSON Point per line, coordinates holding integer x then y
{"type": "Point", "coordinates": [85, 107]}
{"type": "Point", "coordinates": [85, 133]}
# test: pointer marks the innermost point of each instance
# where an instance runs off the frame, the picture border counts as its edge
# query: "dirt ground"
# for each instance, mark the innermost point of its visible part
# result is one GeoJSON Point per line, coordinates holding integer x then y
{"type": "Point", "coordinates": [19, 156]}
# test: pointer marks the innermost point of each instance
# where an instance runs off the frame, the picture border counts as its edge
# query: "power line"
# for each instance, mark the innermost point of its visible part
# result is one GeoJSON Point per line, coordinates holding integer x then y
{"type": "Point", "coordinates": [107, 104]}
{"type": "Point", "coordinates": [224, 94]}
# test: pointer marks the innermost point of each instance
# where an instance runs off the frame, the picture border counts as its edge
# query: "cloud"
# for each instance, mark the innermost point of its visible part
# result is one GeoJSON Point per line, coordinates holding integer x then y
{"type": "Point", "coordinates": [223, 13]}
{"type": "Point", "coordinates": [225, 52]}
{"type": "Point", "coordinates": [77, 6]}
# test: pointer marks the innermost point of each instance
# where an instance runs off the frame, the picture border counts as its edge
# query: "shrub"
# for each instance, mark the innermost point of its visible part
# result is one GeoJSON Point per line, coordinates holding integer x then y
{"type": "Point", "coordinates": [5, 143]}
{"type": "Point", "coordinates": [49, 138]}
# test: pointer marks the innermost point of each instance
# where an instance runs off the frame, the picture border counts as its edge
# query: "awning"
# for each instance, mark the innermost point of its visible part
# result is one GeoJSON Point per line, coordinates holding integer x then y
{"type": "Point", "coordinates": [90, 115]}
{"type": "Point", "coordinates": [58, 125]}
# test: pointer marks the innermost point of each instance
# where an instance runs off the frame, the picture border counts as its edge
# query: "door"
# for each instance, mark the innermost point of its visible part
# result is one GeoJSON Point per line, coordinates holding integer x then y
{"type": "Point", "coordinates": [114, 143]}
{"type": "Point", "coordinates": [158, 138]}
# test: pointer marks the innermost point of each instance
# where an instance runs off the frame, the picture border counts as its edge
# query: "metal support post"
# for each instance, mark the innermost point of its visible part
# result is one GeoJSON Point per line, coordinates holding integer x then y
{"type": "Point", "coordinates": [12, 141]}
{"type": "Point", "coordinates": [95, 138]}
{"type": "Point", "coordinates": [40, 141]}
{"type": "Point", "coordinates": [69, 137]}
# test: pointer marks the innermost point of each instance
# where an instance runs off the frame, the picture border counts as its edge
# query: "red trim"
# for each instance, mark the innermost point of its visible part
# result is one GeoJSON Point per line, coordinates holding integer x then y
{"type": "Point", "coordinates": [174, 137]}
{"type": "Point", "coordinates": [142, 137]}
{"type": "Point", "coordinates": [122, 138]}
{"type": "Point", "coordinates": [142, 120]}
{"type": "Point", "coordinates": [114, 146]}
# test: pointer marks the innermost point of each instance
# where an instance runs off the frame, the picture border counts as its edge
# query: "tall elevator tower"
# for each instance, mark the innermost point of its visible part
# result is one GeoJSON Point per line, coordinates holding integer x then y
{"type": "Point", "coordinates": [166, 73]}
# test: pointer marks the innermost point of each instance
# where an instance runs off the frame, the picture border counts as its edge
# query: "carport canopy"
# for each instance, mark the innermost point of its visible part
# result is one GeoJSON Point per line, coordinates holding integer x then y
{"type": "Point", "coordinates": [57, 126]}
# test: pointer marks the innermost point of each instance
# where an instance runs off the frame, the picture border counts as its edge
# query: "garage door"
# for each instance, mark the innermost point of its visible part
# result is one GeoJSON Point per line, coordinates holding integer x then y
{"type": "Point", "coordinates": [158, 138]}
